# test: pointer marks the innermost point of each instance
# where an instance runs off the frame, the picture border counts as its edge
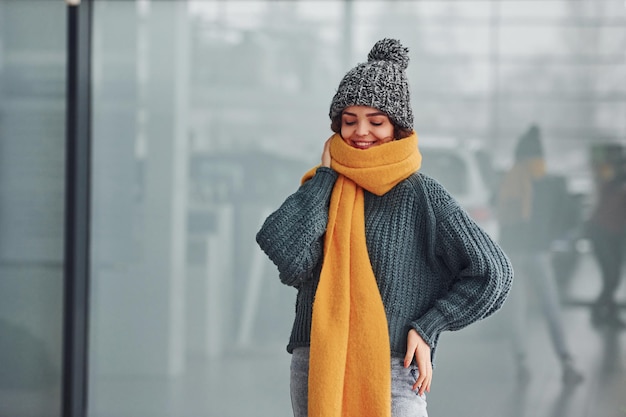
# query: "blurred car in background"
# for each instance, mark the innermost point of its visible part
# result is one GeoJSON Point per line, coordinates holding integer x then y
{"type": "Point", "coordinates": [465, 170]}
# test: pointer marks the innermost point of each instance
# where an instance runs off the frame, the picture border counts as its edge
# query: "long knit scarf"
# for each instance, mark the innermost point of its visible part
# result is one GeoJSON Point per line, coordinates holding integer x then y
{"type": "Point", "coordinates": [349, 368]}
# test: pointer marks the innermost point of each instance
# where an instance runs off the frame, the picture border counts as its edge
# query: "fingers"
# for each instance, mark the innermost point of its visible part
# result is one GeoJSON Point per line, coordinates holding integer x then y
{"type": "Point", "coordinates": [408, 358]}
{"type": "Point", "coordinates": [417, 348]}
{"type": "Point", "coordinates": [424, 378]}
{"type": "Point", "coordinates": [411, 347]}
{"type": "Point", "coordinates": [326, 154]}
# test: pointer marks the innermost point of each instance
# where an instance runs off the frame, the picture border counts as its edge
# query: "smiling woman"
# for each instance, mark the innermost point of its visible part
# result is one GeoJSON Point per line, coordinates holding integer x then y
{"type": "Point", "coordinates": [205, 115]}
{"type": "Point", "coordinates": [358, 240]}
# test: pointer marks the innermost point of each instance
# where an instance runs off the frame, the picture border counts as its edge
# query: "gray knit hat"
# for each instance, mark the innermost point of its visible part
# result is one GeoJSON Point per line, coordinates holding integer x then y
{"type": "Point", "coordinates": [380, 83]}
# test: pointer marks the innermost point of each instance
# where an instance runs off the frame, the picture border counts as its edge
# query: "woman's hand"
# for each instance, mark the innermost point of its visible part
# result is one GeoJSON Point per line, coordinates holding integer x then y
{"type": "Point", "coordinates": [417, 348]}
{"type": "Point", "coordinates": [326, 154]}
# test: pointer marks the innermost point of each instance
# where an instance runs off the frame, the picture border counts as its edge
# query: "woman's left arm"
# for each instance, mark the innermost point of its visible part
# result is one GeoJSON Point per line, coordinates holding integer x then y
{"type": "Point", "coordinates": [481, 276]}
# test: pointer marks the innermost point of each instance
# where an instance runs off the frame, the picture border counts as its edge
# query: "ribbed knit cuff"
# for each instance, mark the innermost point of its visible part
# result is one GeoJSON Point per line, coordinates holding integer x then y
{"type": "Point", "coordinates": [430, 325]}
{"type": "Point", "coordinates": [327, 170]}
{"type": "Point", "coordinates": [321, 185]}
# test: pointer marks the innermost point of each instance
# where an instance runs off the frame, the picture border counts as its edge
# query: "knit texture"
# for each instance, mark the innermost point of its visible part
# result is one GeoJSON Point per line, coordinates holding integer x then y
{"type": "Point", "coordinates": [349, 359]}
{"type": "Point", "coordinates": [380, 83]}
{"type": "Point", "coordinates": [435, 268]}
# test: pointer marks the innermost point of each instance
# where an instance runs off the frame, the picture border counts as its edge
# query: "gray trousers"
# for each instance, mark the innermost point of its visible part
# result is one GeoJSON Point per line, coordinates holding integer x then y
{"type": "Point", "coordinates": [534, 272]}
{"type": "Point", "coordinates": [404, 401]}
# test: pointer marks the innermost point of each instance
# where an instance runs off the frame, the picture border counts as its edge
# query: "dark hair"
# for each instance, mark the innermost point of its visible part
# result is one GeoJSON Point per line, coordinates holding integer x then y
{"type": "Point", "coordinates": [529, 144]}
{"type": "Point", "coordinates": [398, 132]}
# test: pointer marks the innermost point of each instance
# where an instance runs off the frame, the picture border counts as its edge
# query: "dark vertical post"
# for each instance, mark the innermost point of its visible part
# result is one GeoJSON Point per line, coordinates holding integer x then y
{"type": "Point", "coordinates": [77, 210]}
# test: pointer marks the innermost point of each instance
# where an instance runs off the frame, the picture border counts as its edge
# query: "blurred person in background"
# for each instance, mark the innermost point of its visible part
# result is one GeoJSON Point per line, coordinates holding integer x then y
{"type": "Point", "coordinates": [526, 205]}
{"type": "Point", "coordinates": [607, 232]}
{"type": "Point", "coordinates": [391, 259]}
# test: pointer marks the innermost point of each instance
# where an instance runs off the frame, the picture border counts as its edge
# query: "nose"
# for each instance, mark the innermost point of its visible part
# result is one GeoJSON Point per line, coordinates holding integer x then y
{"type": "Point", "coordinates": [362, 129]}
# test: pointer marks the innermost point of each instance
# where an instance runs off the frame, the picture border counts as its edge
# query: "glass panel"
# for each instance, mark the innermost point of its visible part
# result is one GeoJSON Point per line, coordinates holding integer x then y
{"type": "Point", "coordinates": [205, 116]}
{"type": "Point", "coordinates": [447, 166]}
{"type": "Point", "coordinates": [32, 177]}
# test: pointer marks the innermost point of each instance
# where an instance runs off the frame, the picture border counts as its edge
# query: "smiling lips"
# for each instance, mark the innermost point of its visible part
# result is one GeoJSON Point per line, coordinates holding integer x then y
{"type": "Point", "coordinates": [361, 144]}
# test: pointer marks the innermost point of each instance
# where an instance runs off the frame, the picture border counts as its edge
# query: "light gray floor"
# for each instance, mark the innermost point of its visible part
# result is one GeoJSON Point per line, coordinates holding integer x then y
{"type": "Point", "coordinates": [479, 379]}
{"type": "Point", "coordinates": [474, 377]}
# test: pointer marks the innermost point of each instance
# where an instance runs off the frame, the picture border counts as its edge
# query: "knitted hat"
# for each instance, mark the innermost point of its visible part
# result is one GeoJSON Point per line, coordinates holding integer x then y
{"type": "Point", "coordinates": [529, 145]}
{"type": "Point", "coordinates": [380, 82]}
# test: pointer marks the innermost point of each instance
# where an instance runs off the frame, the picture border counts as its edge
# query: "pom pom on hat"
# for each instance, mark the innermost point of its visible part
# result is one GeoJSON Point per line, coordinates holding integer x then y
{"type": "Point", "coordinates": [380, 83]}
{"type": "Point", "coordinates": [390, 50]}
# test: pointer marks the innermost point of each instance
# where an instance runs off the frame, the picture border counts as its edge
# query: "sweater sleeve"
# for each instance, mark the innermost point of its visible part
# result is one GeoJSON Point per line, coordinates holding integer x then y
{"type": "Point", "coordinates": [293, 236]}
{"type": "Point", "coordinates": [477, 272]}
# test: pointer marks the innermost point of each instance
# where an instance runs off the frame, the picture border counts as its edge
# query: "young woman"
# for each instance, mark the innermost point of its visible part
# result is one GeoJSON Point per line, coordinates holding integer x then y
{"type": "Point", "coordinates": [384, 259]}
{"type": "Point", "coordinates": [527, 209]}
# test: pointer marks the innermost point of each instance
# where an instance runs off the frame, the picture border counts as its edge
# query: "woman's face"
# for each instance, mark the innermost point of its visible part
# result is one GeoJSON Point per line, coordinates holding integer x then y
{"type": "Point", "coordinates": [363, 127]}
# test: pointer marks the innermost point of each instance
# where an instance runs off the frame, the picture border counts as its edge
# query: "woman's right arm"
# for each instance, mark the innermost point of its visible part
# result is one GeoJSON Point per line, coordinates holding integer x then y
{"type": "Point", "coordinates": [293, 236]}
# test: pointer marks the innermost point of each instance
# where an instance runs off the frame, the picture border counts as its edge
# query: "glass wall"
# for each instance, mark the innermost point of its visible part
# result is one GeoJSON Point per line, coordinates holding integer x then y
{"type": "Point", "coordinates": [32, 177]}
{"type": "Point", "coordinates": [205, 116]}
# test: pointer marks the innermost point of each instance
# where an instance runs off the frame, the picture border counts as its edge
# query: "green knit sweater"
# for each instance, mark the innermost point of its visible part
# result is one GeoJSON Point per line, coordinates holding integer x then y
{"type": "Point", "coordinates": [436, 269]}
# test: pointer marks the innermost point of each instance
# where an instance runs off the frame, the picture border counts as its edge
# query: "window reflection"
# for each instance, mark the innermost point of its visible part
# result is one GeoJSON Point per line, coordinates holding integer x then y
{"type": "Point", "coordinates": [206, 115]}
{"type": "Point", "coordinates": [32, 192]}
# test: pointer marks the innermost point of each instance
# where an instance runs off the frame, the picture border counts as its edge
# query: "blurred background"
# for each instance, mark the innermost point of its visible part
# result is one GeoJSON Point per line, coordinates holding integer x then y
{"type": "Point", "coordinates": [206, 113]}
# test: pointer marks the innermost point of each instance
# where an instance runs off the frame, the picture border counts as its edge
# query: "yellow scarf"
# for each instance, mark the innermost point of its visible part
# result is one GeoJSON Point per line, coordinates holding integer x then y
{"type": "Point", "coordinates": [349, 371]}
